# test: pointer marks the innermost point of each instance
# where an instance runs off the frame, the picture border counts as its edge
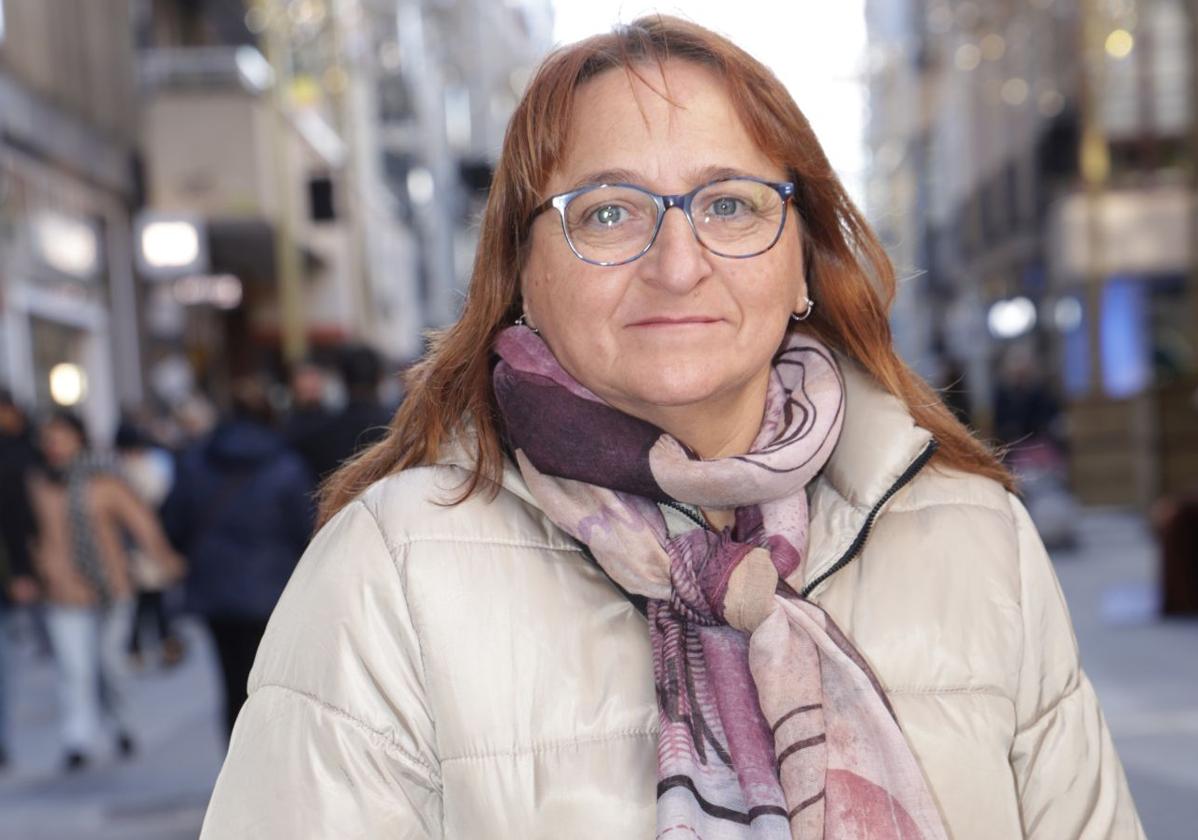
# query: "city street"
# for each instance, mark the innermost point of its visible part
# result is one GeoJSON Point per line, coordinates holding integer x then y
{"type": "Point", "coordinates": [158, 795]}
{"type": "Point", "coordinates": [1146, 672]}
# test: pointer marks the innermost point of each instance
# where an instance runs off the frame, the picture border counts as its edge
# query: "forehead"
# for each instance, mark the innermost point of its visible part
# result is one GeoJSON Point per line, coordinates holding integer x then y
{"type": "Point", "coordinates": [59, 427]}
{"type": "Point", "coordinates": [667, 129]}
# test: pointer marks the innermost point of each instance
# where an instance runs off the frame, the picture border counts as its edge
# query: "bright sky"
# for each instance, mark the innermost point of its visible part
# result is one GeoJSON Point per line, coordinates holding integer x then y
{"type": "Point", "coordinates": [816, 47]}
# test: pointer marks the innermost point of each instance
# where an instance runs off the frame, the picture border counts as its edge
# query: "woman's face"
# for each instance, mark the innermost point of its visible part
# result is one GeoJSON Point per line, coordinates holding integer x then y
{"type": "Point", "coordinates": [60, 443]}
{"type": "Point", "coordinates": [679, 336]}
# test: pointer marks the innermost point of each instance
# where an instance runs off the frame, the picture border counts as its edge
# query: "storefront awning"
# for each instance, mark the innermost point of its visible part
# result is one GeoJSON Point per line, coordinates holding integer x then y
{"type": "Point", "coordinates": [245, 248]}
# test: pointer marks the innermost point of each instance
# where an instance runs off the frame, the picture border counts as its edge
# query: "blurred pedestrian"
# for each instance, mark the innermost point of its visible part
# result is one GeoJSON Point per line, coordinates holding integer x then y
{"type": "Point", "coordinates": [361, 421]}
{"type": "Point", "coordinates": [1175, 522]}
{"type": "Point", "coordinates": [17, 586]}
{"type": "Point", "coordinates": [1028, 422]}
{"type": "Point", "coordinates": [309, 417]}
{"type": "Point", "coordinates": [150, 471]}
{"type": "Point", "coordinates": [1026, 411]}
{"type": "Point", "coordinates": [241, 511]}
{"type": "Point", "coordinates": [84, 513]}
{"type": "Point", "coordinates": [18, 456]}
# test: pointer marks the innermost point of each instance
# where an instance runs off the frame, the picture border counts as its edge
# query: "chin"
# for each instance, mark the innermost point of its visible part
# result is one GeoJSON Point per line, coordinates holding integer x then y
{"type": "Point", "coordinates": [674, 387]}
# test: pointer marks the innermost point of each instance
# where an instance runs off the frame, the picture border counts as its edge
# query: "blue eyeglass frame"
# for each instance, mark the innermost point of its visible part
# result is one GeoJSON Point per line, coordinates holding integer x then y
{"type": "Point", "coordinates": [785, 189]}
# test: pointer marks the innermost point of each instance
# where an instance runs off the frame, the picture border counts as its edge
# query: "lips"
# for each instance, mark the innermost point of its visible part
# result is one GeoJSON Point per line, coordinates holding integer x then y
{"type": "Point", "coordinates": [674, 321]}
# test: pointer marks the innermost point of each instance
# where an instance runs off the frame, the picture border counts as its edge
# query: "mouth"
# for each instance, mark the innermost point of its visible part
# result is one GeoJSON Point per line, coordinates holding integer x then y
{"type": "Point", "coordinates": [666, 321]}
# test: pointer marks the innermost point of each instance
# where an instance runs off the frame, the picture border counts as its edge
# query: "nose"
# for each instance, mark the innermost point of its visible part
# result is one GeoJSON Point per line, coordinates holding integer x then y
{"type": "Point", "coordinates": [676, 261]}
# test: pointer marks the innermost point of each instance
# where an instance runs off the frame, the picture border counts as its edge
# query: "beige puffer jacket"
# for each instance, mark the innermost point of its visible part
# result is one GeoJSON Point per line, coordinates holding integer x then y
{"type": "Point", "coordinates": [464, 672]}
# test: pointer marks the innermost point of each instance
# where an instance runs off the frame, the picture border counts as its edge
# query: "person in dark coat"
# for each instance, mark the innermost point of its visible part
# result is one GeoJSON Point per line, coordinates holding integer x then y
{"type": "Point", "coordinates": [17, 585]}
{"type": "Point", "coordinates": [308, 416]}
{"type": "Point", "coordinates": [362, 420]}
{"type": "Point", "coordinates": [241, 510]}
{"type": "Point", "coordinates": [1025, 408]}
{"type": "Point", "coordinates": [18, 456]}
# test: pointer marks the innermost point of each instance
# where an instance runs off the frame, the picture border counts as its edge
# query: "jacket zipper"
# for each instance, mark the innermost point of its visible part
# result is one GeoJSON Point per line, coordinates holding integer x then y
{"type": "Point", "coordinates": [690, 513]}
{"type": "Point", "coordinates": [863, 535]}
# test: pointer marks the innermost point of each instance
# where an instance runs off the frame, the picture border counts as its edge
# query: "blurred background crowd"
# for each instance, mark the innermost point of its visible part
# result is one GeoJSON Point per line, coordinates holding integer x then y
{"type": "Point", "coordinates": [226, 225]}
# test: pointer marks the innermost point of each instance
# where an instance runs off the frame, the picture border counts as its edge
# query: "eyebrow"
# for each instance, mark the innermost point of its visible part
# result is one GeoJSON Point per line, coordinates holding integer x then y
{"type": "Point", "coordinates": [627, 176]}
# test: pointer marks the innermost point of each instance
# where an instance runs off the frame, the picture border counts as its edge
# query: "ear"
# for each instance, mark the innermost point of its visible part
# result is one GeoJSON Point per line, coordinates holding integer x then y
{"type": "Point", "coordinates": [800, 304]}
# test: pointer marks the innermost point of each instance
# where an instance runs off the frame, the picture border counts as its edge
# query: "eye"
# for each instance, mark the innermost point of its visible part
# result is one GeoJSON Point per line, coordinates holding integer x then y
{"type": "Point", "coordinates": [606, 215]}
{"type": "Point", "coordinates": [726, 207]}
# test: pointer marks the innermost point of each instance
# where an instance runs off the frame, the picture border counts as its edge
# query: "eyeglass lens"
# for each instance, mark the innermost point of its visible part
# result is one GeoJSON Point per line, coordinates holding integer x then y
{"type": "Point", "coordinates": [733, 218]}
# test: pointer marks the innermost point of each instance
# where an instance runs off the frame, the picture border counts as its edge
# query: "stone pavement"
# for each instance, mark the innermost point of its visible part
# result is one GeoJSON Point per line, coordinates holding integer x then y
{"type": "Point", "coordinates": [1145, 671]}
{"type": "Point", "coordinates": [160, 794]}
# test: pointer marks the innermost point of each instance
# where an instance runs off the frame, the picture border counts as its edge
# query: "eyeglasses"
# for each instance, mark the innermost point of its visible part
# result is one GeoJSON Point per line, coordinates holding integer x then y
{"type": "Point", "coordinates": [614, 224]}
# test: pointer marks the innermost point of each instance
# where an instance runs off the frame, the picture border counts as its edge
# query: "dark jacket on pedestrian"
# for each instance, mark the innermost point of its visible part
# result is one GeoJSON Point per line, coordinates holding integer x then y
{"type": "Point", "coordinates": [17, 522]}
{"type": "Point", "coordinates": [241, 510]}
{"type": "Point", "coordinates": [326, 441]}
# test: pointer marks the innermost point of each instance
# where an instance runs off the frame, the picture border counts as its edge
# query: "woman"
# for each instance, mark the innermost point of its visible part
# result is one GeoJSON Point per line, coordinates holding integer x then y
{"type": "Point", "coordinates": [84, 513]}
{"type": "Point", "coordinates": [688, 550]}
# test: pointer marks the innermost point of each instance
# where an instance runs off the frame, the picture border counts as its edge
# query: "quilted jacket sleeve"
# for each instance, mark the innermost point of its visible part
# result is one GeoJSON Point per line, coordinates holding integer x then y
{"type": "Point", "coordinates": [1069, 779]}
{"type": "Point", "coordinates": [336, 739]}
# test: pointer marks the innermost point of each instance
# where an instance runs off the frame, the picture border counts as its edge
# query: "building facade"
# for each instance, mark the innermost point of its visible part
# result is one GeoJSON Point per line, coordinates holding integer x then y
{"type": "Point", "coordinates": [356, 138]}
{"type": "Point", "coordinates": [68, 140]}
{"type": "Point", "coordinates": [1033, 170]}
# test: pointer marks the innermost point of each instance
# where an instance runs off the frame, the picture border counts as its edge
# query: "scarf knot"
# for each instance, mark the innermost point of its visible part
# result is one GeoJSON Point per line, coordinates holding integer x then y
{"type": "Point", "coordinates": [716, 580]}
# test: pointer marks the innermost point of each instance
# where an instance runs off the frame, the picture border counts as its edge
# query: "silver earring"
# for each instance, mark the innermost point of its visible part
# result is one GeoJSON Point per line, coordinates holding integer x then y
{"type": "Point", "coordinates": [794, 316]}
{"type": "Point", "coordinates": [522, 321]}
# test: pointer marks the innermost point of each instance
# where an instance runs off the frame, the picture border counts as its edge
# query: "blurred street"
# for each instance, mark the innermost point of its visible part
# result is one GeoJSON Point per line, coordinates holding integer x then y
{"type": "Point", "coordinates": [1144, 669]}
{"type": "Point", "coordinates": [160, 794]}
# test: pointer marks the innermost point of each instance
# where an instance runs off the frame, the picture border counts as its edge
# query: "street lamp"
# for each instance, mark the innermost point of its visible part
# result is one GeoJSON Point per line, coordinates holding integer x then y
{"type": "Point", "coordinates": [68, 384]}
{"type": "Point", "coordinates": [1011, 318]}
{"type": "Point", "coordinates": [170, 246]}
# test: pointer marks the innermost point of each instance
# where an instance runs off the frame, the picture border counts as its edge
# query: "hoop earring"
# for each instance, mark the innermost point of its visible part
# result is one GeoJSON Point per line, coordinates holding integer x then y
{"type": "Point", "coordinates": [794, 316]}
{"type": "Point", "coordinates": [522, 321]}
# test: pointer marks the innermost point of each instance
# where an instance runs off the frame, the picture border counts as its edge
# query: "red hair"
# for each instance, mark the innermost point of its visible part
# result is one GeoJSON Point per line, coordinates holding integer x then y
{"type": "Point", "coordinates": [847, 269]}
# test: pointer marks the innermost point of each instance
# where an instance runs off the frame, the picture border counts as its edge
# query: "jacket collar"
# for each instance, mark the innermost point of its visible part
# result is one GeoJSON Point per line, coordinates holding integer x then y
{"type": "Point", "coordinates": [878, 441]}
{"type": "Point", "coordinates": [879, 451]}
{"type": "Point", "coordinates": [460, 451]}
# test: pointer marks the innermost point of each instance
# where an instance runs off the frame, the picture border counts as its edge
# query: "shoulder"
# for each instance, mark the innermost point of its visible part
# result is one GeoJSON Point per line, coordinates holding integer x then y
{"type": "Point", "coordinates": [111, 489]}
{"type": "Point", "coordinates": [955, 561]}
{"type": "Point", "coordinates": [984, 527]}
{"type": "Point", "coordinates": [41, 489]}
{"type": "Point", "coordinates": [404, 539]}
{"type": "Point", "coordinates": [963, 518]}
{"type": "Point", "coordinates": [407, 518]}
{"type": "Point", "coordinates": [419, 506]}
{"type": "Point", "coordinates": [968, 517]}
{"type": "Point", "coordinates": [945, 487]}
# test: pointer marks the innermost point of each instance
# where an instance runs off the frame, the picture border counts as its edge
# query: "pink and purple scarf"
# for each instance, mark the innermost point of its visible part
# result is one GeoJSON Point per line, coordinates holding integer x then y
{"type": "Point", "coordinates": [772, 724]}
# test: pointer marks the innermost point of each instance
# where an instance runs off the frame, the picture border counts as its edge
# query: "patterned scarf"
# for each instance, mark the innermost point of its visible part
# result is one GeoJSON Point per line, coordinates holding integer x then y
{"type": "Point", "coordinates": [84, 550]}
{"type": "Point", "coordinates": [772, 724]}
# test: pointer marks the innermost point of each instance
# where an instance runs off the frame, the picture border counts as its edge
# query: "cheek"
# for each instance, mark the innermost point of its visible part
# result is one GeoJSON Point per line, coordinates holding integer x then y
{"type": "Point", "coordinates": [565, 298]}
{"type": "Point", "coordinates": [771, 294]}
{"type": "Point", "coordinates": [546, 295]}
